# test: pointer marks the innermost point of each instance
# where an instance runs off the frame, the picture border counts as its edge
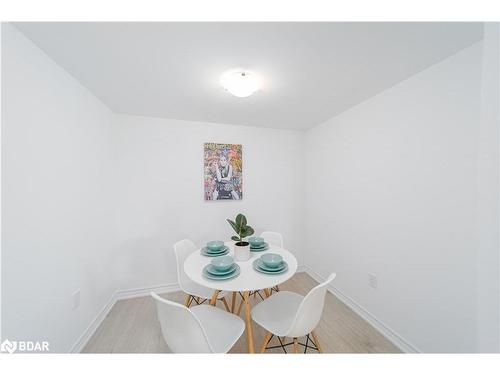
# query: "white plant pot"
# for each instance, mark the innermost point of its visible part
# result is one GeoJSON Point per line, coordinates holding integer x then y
{"type": "Point", "coordinates": [241, 253]}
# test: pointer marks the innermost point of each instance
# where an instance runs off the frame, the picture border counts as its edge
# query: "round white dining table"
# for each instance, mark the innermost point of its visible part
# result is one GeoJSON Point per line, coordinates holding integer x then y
{"type": "Point", "coordinates": [248, 280]}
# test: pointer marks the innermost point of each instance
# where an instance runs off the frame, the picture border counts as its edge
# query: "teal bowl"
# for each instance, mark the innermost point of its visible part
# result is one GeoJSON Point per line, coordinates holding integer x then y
{"type": "Point", "coordinates": [272, 260]}
{"type": "Point", "coordinates": [215, 245]}
{"type": "Point", "coordinates": [256, 241]}
{"type": "Point", "coordinates": [222, 263]}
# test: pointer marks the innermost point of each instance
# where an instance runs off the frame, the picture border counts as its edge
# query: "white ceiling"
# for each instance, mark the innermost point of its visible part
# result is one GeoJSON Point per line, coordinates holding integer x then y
{"type": "Point", "coordinates": [312, 71]}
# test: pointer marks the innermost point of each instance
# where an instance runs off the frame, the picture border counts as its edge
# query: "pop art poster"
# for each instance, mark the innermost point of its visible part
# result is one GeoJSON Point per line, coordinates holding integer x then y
{"type": "Point", "coordinates": [223, 171]}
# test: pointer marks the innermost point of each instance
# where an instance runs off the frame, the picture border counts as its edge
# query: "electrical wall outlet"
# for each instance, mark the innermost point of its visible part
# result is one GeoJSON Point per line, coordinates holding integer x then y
{"type": "Point", "coordinates": [75, 298]}
{"type": "Point", "coordinates": [372, 280]}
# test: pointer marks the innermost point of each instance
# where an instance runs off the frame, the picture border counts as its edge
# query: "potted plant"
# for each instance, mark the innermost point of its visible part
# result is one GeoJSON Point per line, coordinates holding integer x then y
{"type": "Point", "coordinates": [241, 248]}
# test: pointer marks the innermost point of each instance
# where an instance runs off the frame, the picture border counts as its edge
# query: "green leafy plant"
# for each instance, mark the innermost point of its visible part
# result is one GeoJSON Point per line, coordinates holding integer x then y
{"type": "Point", "coordinates": [241, 228]}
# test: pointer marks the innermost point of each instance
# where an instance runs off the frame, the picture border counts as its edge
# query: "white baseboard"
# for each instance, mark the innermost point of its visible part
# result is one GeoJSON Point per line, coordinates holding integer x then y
{"type": "Point", "coordinates": [376, 323]}
{"type": "Point", "coordinates": [117, 296]}
{"type": "Point", "coordinates": [92, 328]}
{"type": "Point", "coordinates": [141, 292]}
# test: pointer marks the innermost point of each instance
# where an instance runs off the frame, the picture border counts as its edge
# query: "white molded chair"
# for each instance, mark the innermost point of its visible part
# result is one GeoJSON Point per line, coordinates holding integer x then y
{"type": "Point", "coordinates": [200, 329]}
{"type": "Point", "coordinates": [195, 292]}
{"type": "Point", "coordinates": [273, 238]}
{"type": "Point", "coordinates": [288, 314]}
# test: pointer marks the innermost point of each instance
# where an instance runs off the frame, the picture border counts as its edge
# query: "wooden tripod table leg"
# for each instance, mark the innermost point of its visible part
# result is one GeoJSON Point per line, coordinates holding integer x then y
{"type": "Point", "coordinates": [248, 320]}
{"type": "Point", "coordinates": [214, 298]}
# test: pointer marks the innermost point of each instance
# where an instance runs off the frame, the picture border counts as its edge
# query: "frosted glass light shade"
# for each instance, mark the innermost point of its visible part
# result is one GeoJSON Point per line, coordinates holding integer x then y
{"type": "Point", "coordinates": [240, 83]}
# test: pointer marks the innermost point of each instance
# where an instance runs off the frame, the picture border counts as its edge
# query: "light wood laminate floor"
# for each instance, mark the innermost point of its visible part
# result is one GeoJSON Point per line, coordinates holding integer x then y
{"type": "Point", "coordinates": [132, 327]}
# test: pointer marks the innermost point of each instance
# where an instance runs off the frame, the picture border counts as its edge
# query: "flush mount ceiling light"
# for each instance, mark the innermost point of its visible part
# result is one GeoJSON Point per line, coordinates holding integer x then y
{"type": "Point", "coordinates": [240, 83]}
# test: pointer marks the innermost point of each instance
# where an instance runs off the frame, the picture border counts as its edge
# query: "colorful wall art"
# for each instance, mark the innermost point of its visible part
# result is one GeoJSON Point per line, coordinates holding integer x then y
{"type": "Point", "coordinates": [223, 171]}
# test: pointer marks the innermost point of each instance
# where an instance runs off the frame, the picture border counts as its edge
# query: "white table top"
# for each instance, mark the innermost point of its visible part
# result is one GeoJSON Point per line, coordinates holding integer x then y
{"type": "Point", "coordinates": [249, 279]}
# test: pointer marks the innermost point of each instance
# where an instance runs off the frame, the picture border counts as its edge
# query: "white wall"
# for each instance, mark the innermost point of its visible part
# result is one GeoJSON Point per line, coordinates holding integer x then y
{"type": "Point", "coordinates": [1, 208]}
{"type": "Point", "coordinates": [160, 190]}
{"type": "Point", "coordinates": [391, 190]}
{"type": "Point", "coordinates": [56, 217]}
{"type": "Point", "coordinates": [488, 291]}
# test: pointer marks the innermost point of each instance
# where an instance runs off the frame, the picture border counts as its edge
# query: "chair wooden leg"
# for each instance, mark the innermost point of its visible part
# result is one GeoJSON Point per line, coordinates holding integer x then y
{"type": "Point", "coordinates": [242, 302]}
{"type": "Point", "coordinates": [248, 320]}
{"type": "Point", "coordinates": [267, 338]}
{"type": "Point", "coordinates": [214, 298]}
{"type": "Point", "coordinates": [188, 299]}
{"type": "Point", "coordinates": [295, 345]}
{"type": "Point", "coordinates": [225, 304]}
{"type": "Point", "coordinates": [233, 302]}
{"type": "Point", "coordinates": [316, 342]}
